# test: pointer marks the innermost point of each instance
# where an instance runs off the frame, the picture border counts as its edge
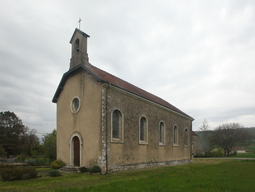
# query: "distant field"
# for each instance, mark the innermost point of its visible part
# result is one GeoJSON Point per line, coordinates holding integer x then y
{"type": "Point", "coordinates": [244, 155]}
{"type": "Point", "coordinates": [251, 146]}
{"type": "Point", "coordinates": [202, 175]}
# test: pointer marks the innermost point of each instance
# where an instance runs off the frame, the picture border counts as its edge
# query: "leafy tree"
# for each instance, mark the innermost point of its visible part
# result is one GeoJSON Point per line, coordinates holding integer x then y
{"type": "Point", "coordinates": [49, 145]}
{"type": "Point", "coordinates": [11, 128]}
{"type": "Point", "coordinates": [229, 135]}
{"type": "Point", "coordinates": [37, 150]}
{"type": "Point", "coordinates": [2, 151]}
{"type": "Point", "coordinates": [205, 138]}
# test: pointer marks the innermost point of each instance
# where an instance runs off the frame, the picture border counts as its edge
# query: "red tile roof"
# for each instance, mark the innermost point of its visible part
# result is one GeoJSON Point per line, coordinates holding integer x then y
{"type": "Point", "coordinates": [133, 89]}
{"type": "Point", "coordinates": [193, 133]}
{"type": "Point", "coordinates": [238, 149]}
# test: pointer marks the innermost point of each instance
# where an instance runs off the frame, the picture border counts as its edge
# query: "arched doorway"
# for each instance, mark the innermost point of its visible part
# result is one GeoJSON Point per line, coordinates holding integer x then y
{"type": "Point", "coordinates": [76, 151]}
{"type": "Point", "coordinates": [75, 143]}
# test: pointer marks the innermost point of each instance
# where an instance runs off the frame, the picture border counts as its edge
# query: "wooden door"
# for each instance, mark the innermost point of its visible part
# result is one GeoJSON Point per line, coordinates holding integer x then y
{"type": "Point", "coordinates": [76, 151]}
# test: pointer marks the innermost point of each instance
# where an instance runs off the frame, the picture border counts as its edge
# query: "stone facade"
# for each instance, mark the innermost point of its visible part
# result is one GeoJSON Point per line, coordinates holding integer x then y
{"type": "Point", "coordinates": [86, 100]}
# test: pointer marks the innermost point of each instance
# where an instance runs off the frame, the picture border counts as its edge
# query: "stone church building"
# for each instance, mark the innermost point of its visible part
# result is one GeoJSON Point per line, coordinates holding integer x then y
{"type": "Point", "coordinates": [106, 121]}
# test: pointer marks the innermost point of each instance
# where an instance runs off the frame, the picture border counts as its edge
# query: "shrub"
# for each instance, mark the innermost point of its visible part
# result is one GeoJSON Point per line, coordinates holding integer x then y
{"type": "Point", "coordinates": [21, 157]}
{"type": "Point", "coordinates": [40, 162]}
{"type": "Point", "coordinates": [232, 154]}
{"type": "Point", "coordinates": [217, 153]}
{"type": "Point", "coordinates": [35, 162]}
{"type": "Point", "coordinates": [18, 173]}
{"type": "Point", "coordinates": [6, 166]}
{"type": "Point", "coordinates": [95, 169]}
{"type": "Point", "coordinates": [31, 162]}
{"type": "Point", "coordinates": [54, 173]}
{"type": "Point", "coordinates": [30, 172]}
{"type": "Point", "coordinates": [6, 174]}
{"type": "Point", "coordinates": [57, 164]}
{"type": "Point", "coordinates": [83, 169]}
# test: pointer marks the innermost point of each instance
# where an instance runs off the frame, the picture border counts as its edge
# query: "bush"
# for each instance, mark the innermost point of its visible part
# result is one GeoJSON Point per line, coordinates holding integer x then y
{"type": "Point", "coordinates": [35, 162]}
{"type": "Point", "coordinates": [21, 157]}
{"type": "Point", "coordinates": [18, 173]}
{"type": "Point", "coordinates": [232, 154]}
{"type": "Point", "coordinates": [95, 169]}
{"type": "Point", "coordinates": [40, 162]}
{"type": "Point", "coordinates": [217, 153]}
{"type": "Point", "coordinates": [57, 164]}
{"type": "Point", "coordinates": [31, 162]}
{"type": "Point", "coordinates": [83, 169]}
{"type": "Point", "coordinates": [54, 173]}
{"type": "Point", "coordinates": [30, 173]}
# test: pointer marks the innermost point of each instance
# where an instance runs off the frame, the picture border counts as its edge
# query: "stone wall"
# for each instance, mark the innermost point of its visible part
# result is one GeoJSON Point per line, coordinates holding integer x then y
{"type": "Point", "coordinates": [148, 165]}
{"type": "Point", "coordinates": [130, 154]}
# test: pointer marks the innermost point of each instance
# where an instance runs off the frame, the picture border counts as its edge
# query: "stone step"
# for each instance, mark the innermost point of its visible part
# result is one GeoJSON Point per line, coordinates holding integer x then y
{"type": "Point", "coordinates": [69, 169]}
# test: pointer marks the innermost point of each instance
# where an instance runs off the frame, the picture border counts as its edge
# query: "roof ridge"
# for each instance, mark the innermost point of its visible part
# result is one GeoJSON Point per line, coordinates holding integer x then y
{"type": "Point", "coordinates": [132, 88]}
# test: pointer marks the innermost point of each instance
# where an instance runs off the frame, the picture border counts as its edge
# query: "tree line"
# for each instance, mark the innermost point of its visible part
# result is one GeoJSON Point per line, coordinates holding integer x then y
{"type": "Point", "coordinates": [18, 139]}
{"type": "Point", "coordinates": [225, 136]}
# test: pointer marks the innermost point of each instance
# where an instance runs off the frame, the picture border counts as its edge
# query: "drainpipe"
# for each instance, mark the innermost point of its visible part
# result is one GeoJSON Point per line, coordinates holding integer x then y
{"type": "Point", "coordinates": [106, 116]}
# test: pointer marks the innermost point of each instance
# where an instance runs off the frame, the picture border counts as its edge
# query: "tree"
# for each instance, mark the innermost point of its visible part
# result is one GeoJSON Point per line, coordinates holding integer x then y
{"type": "Point", "coordinates": [2, 151]}
{"type": "Point", "coordinates": [11, 128]}
{"type": "Point", "coordinates": [49, 145]}
{"type": "Point", "coordinates": [205, 139]}
{"type": "Point", "coordinates": [28, 140]}
{"type": "Point", "coordinates": [229, 135]}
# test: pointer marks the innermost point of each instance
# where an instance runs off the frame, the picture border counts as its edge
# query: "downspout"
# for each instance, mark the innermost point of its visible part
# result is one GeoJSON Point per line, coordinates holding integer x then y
{"type": "Point", "coordinates": [106, 116]}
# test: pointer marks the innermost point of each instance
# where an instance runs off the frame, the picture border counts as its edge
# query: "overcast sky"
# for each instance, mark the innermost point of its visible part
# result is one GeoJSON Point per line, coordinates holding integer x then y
{"type": "Point", "coordinates": [197, 55]}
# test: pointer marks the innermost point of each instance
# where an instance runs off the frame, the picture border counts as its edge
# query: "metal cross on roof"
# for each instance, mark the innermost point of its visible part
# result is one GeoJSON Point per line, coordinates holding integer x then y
{"type": "Point", "coordinates": [79, 23]}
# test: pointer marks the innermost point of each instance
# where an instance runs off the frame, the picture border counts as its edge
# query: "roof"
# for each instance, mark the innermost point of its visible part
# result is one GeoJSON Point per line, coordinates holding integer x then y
{"type": "Point", "coordinates": [78, 30]}
{"type": "Point", "coordinates": [194, 134]}
{"type": "Point", "coordinates": [238, 149]}
{"type": "Point", "coordinates": [103, 76]}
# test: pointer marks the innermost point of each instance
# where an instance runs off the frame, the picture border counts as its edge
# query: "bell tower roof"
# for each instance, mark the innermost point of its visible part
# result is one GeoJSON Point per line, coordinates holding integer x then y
{"type": "Point", "coordinates": [78, 31]}
{"type": "Point", "coordinates": [79, 53]}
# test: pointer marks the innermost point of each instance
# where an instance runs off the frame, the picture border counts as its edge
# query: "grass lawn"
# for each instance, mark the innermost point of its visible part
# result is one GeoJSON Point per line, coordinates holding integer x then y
{"type": "Point", "coordinates": [202, 175]}
{"type": "Point", "coordinates": [244, 155]}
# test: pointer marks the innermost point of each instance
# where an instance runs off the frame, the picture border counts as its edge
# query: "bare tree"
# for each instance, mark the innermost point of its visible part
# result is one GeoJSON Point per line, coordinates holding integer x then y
{"type": "Point", "coordinates": [229, 135]}
{"type": "Point", "coordinates": [28, 140]}
{"type": "Point", "coordinates": [205, 140]}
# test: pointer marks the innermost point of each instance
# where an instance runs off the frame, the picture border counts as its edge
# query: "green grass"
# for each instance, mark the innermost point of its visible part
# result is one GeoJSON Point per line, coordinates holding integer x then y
{"type": "Point", "coordinates": [243, 155]}
{"type": "Point", "coordinates": [251, 146]}
{"type": "Point", "coordinates": [43, 169]}
{"type": "Point", "coordinates": [202, 175]}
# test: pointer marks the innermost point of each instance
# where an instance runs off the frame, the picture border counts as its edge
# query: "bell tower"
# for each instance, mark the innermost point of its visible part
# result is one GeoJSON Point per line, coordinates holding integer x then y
{"type": "Point", "coordinates": [79, 49]}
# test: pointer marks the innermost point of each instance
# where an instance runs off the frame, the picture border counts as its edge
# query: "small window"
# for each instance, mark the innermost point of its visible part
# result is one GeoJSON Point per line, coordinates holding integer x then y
{"type": "Point", "coordinates": [143, 131]}
{"type": "Point", "coordinates": [175, 136]}
{"type": "Point", "coordinates": [186, 137]}
{"type": "Point", "coordinates": [161, 133]}
{"type": "Point", "coordinates": [117, 126]}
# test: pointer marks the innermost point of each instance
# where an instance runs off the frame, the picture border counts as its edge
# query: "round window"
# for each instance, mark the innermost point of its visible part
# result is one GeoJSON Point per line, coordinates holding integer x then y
{"type": "Point", "coordinates": [75, 105]}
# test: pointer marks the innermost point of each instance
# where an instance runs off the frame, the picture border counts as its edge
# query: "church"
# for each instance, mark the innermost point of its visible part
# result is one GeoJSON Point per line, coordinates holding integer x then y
{"type": "Point", "coordinates": [103, 120]}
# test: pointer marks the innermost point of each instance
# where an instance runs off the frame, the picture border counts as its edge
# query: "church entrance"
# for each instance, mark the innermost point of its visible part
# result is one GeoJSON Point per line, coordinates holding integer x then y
{"type": "Point", "coordinates": [76, 151]}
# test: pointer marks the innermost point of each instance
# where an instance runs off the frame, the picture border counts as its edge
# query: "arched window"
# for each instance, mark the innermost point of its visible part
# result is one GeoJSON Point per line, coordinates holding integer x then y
{"type": "Point", "coordinates": [116, 119]}
{"type": "Point", "coordinates": [142, 125]}
{"type": "Point", "coordinates": [77, 45]}
{"type": "Point", "coordinates": [175, 135]}
{"type": "Point", "coordinates": [117, 126]}
{"type": "Point", "coordinates": [143, 131]}
{"type": "Point", "coordinates": [161, 133]}
{"type": "Point", "coordinates": [186, 137]}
